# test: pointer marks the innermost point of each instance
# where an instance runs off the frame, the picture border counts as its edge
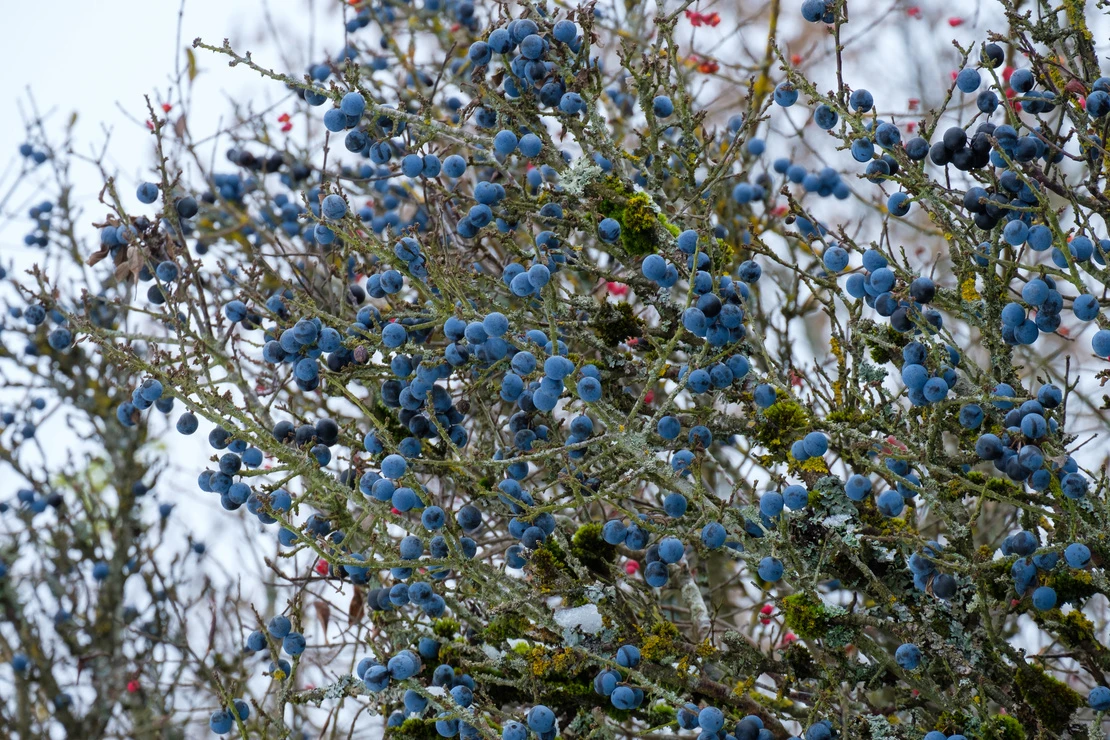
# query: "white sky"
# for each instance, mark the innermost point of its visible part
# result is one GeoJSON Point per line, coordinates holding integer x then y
{"type": "Point", "coordinates": [99, 59]}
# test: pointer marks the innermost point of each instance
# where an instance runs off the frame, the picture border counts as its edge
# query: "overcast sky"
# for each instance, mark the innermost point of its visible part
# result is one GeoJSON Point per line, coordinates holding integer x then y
{"type": "Point", "coordinates": [100, 59]}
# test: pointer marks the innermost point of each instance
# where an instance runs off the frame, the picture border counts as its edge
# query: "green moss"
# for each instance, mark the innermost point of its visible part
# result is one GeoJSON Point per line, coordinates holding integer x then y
{"type": "Point", "coordinates": [445, 627]}
{"type": "Point", "coordinates": [846, 416]}
{"type": "Point", "coordinates": [951, 722]}
{"type": "Point", "coordinates": [887, 526]}
{"type": "Point", "coordinates": [413, 729]}
{"type": "Point", "coordinates": [1072, 628]}
{"type": "Point", "coordinates": [1002, 727]}
{"type": "Point", "coordinates": [659, 642]}
{"type": "Point", "coordinates": [883, 354]}
{"type": "Point", "coordinates": [548, 566]}
{"type": "Point", "coordinates": [510, 625]}
{"type": "Point", "coordinates": [999, 582]}
{"type": "Point", "coordinates": [805, 616]}
{"type": "Point", "coordinates": [725, 255]}
{"type": "Point", "coordinates": [633, 211]}
{"type": "Point", "coordinates": [784, 422]}
{"type": "Point", "coordinates": [1071, 586]}
{"type": "Point", "coordinates": [638, 223]}
{"type": "Point", "coordinates": [614, 323]}
{"type": "Point", "coordinates": [591, 550]}
{"type": "Point", "coordinates": [674, 230]}
{"type": "Point", "coordinates": [1052, 702]}
{"type": "Point", "coordinates": [451, 653]}
{"type": "Point", "coordinates": [1002, 487]}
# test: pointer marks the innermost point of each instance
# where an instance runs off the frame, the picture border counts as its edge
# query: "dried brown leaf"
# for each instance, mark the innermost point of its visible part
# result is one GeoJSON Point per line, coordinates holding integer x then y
{"type": "Point", "coordinates": [97, 256]}
{"type": "Point", "coordinates": [323, 613]}
{"type": "Point", "coordinates": [357, 610]}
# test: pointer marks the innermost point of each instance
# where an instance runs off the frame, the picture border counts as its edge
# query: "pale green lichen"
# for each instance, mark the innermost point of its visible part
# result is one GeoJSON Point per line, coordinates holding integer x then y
{"type": "Point", "coordinates": [578, 176]}
{"type": "Point", "coordinates": [880, 728]}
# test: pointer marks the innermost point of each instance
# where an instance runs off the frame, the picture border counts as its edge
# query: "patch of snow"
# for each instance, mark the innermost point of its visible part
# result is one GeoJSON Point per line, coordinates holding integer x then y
{"type": "Point", "coordinates": [586, 618]}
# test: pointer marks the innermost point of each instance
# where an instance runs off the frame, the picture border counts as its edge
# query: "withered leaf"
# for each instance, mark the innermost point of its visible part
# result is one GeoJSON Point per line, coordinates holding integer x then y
{"type": "Point", "coordinates": [323, 613]}
{"type": "Point", "coordinates": [97, 256]}
{"type": "Point", "coordinates": [357, 609]}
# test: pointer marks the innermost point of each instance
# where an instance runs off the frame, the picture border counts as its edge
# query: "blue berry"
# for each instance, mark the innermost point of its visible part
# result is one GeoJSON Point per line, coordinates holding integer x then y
{"type": "Point", "coordinates": [674, 505]}
{"type": "Point", "coordinates": [1044, 598]}
{"type": "Point", "coordinates": [890, 503]}
{"type": "Point", "coordinates": [662, 106]}
{"type": "Point", "coordinates": [968, 80]}
{"type": "Point", "coordinates": [785, 94]}
{"type": "Point", "coordinates": [352, 104]}
{"type": "Point", "coordinates": [858, 487]}
{"type": "Point", "coordinates": [147, 192]}
{"type": "Point", "coordinates": [540, 719]}
{"type": "Point", "coordinates": [770, 569]}
{"type": "Point", "coordinates": [1077, 555]}
{"type": "Point", "coordinates": [221, 722]}
{"type": "Point", "coordinates": [1099, 699]}
{"type": "Point", "coordinates": [333, 207]}
{"type": "Point", "coordinates": [908, 656]}
{"type": "Point", "coordinates": [609, 230]}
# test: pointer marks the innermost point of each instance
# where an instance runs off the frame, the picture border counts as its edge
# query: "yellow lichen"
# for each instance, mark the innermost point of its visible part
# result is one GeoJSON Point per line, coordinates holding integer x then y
{"type": "Point", "coordinates": [968, 291]}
